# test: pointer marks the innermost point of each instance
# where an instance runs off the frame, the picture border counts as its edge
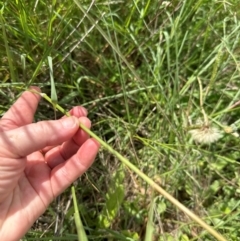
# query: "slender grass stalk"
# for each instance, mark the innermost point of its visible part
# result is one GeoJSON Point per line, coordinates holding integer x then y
{"type": "Point", "coordinates": [110, 42]}
{"type": "Point", "coordinates": [23, 61]}
{"type": "Point", "coordinates": [53, 88]}
{"type": "Point", "coordinates": [80, 229]}
{"type": "Point", "coordinates": [9, 55]}
{"type": "Point", "coordinates": [206, 121]}
{"type": "Point", "coordinates": [54, 97]}
{"type": "Point", "coordinates": [154, 185]}
{"type": "Point", "coordinates": [214, 72]}
{"type": "Point", "coordinates": [149, 235]}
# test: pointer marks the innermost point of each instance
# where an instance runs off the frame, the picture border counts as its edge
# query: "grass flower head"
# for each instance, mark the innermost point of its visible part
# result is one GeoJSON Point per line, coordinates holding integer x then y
{"type": "Point", "coordinates": [206, 134]}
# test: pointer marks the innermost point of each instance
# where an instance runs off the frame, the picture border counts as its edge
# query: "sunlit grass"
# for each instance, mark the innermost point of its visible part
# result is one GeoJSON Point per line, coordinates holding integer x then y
{"type": "Point", "coordinates": [135, 66]}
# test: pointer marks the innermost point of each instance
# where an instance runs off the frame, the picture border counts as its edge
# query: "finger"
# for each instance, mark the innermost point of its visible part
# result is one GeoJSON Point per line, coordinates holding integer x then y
{"type": "Point", "coordinates": [22, 111]}
{"type": "Point", "coordinates": [62, 153]}
{"type": "Point", "coordinates": [66, 173]}
{"type": "Point", "coordinates": [77, 111]}
{"type": "Point", "coordinates": [33, 137]}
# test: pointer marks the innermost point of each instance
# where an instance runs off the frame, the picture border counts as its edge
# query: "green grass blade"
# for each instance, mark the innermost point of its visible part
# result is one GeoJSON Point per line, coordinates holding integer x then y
{"type": "Point", "coordinates": [80, 229]}
{"type": "Point", "coordinates": [109, 41]}
{"type": "Point", "coordinates": [54, 97]}
{"type": "Point", "coordinates": [23, 61]}
{"type": "Point", "coordinates": [9, 56]}
{"type": "Point", "coordinates": [149, 236]}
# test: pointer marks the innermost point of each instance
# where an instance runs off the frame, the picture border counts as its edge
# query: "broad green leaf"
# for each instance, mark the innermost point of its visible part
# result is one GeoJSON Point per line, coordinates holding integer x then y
{"type": "Point", "coordinates": [114, 198]}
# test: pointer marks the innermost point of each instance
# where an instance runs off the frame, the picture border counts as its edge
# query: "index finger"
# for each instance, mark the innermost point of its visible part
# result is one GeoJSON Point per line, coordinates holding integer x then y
{"type": "Point", "coordinates": [22, 111]}
{"type": "Point", "coordinates": [27, 139]}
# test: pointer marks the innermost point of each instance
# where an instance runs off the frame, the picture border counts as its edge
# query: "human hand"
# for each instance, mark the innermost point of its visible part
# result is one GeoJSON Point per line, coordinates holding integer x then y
{"type": "Point", "coordinates": [38, 161]}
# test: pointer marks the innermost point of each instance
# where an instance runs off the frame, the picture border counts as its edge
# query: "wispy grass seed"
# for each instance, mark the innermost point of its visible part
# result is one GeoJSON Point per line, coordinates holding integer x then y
{"type": "Point", "coordinates": [206, 134]}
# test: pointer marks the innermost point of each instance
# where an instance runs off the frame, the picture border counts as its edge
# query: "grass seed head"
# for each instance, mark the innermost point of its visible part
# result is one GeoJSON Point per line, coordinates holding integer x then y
{"type": "Point", "coordinates": [206, 134]}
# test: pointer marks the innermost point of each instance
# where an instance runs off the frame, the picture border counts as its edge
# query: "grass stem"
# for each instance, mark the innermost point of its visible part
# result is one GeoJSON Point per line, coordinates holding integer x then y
{"type": "Point", "coordinates": [154, 185]}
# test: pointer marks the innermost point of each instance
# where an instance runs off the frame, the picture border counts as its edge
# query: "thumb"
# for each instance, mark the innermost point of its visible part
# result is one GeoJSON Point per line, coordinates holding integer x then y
{"type": "Point", "coordinates": [25, 140]}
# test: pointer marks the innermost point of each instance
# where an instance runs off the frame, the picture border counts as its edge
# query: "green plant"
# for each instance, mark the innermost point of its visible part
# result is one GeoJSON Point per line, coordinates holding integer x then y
{"type": "Point", "coordinates": [136, 65]}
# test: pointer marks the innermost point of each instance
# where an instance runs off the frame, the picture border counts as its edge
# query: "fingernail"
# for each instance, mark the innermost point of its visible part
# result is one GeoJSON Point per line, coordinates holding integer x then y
{"type": "Point", "coordinates": [69, 122]}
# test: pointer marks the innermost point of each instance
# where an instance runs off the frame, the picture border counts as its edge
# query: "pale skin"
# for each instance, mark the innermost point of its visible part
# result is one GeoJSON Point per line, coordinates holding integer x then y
{"type": "Point", "coordinates": [38, 161]}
